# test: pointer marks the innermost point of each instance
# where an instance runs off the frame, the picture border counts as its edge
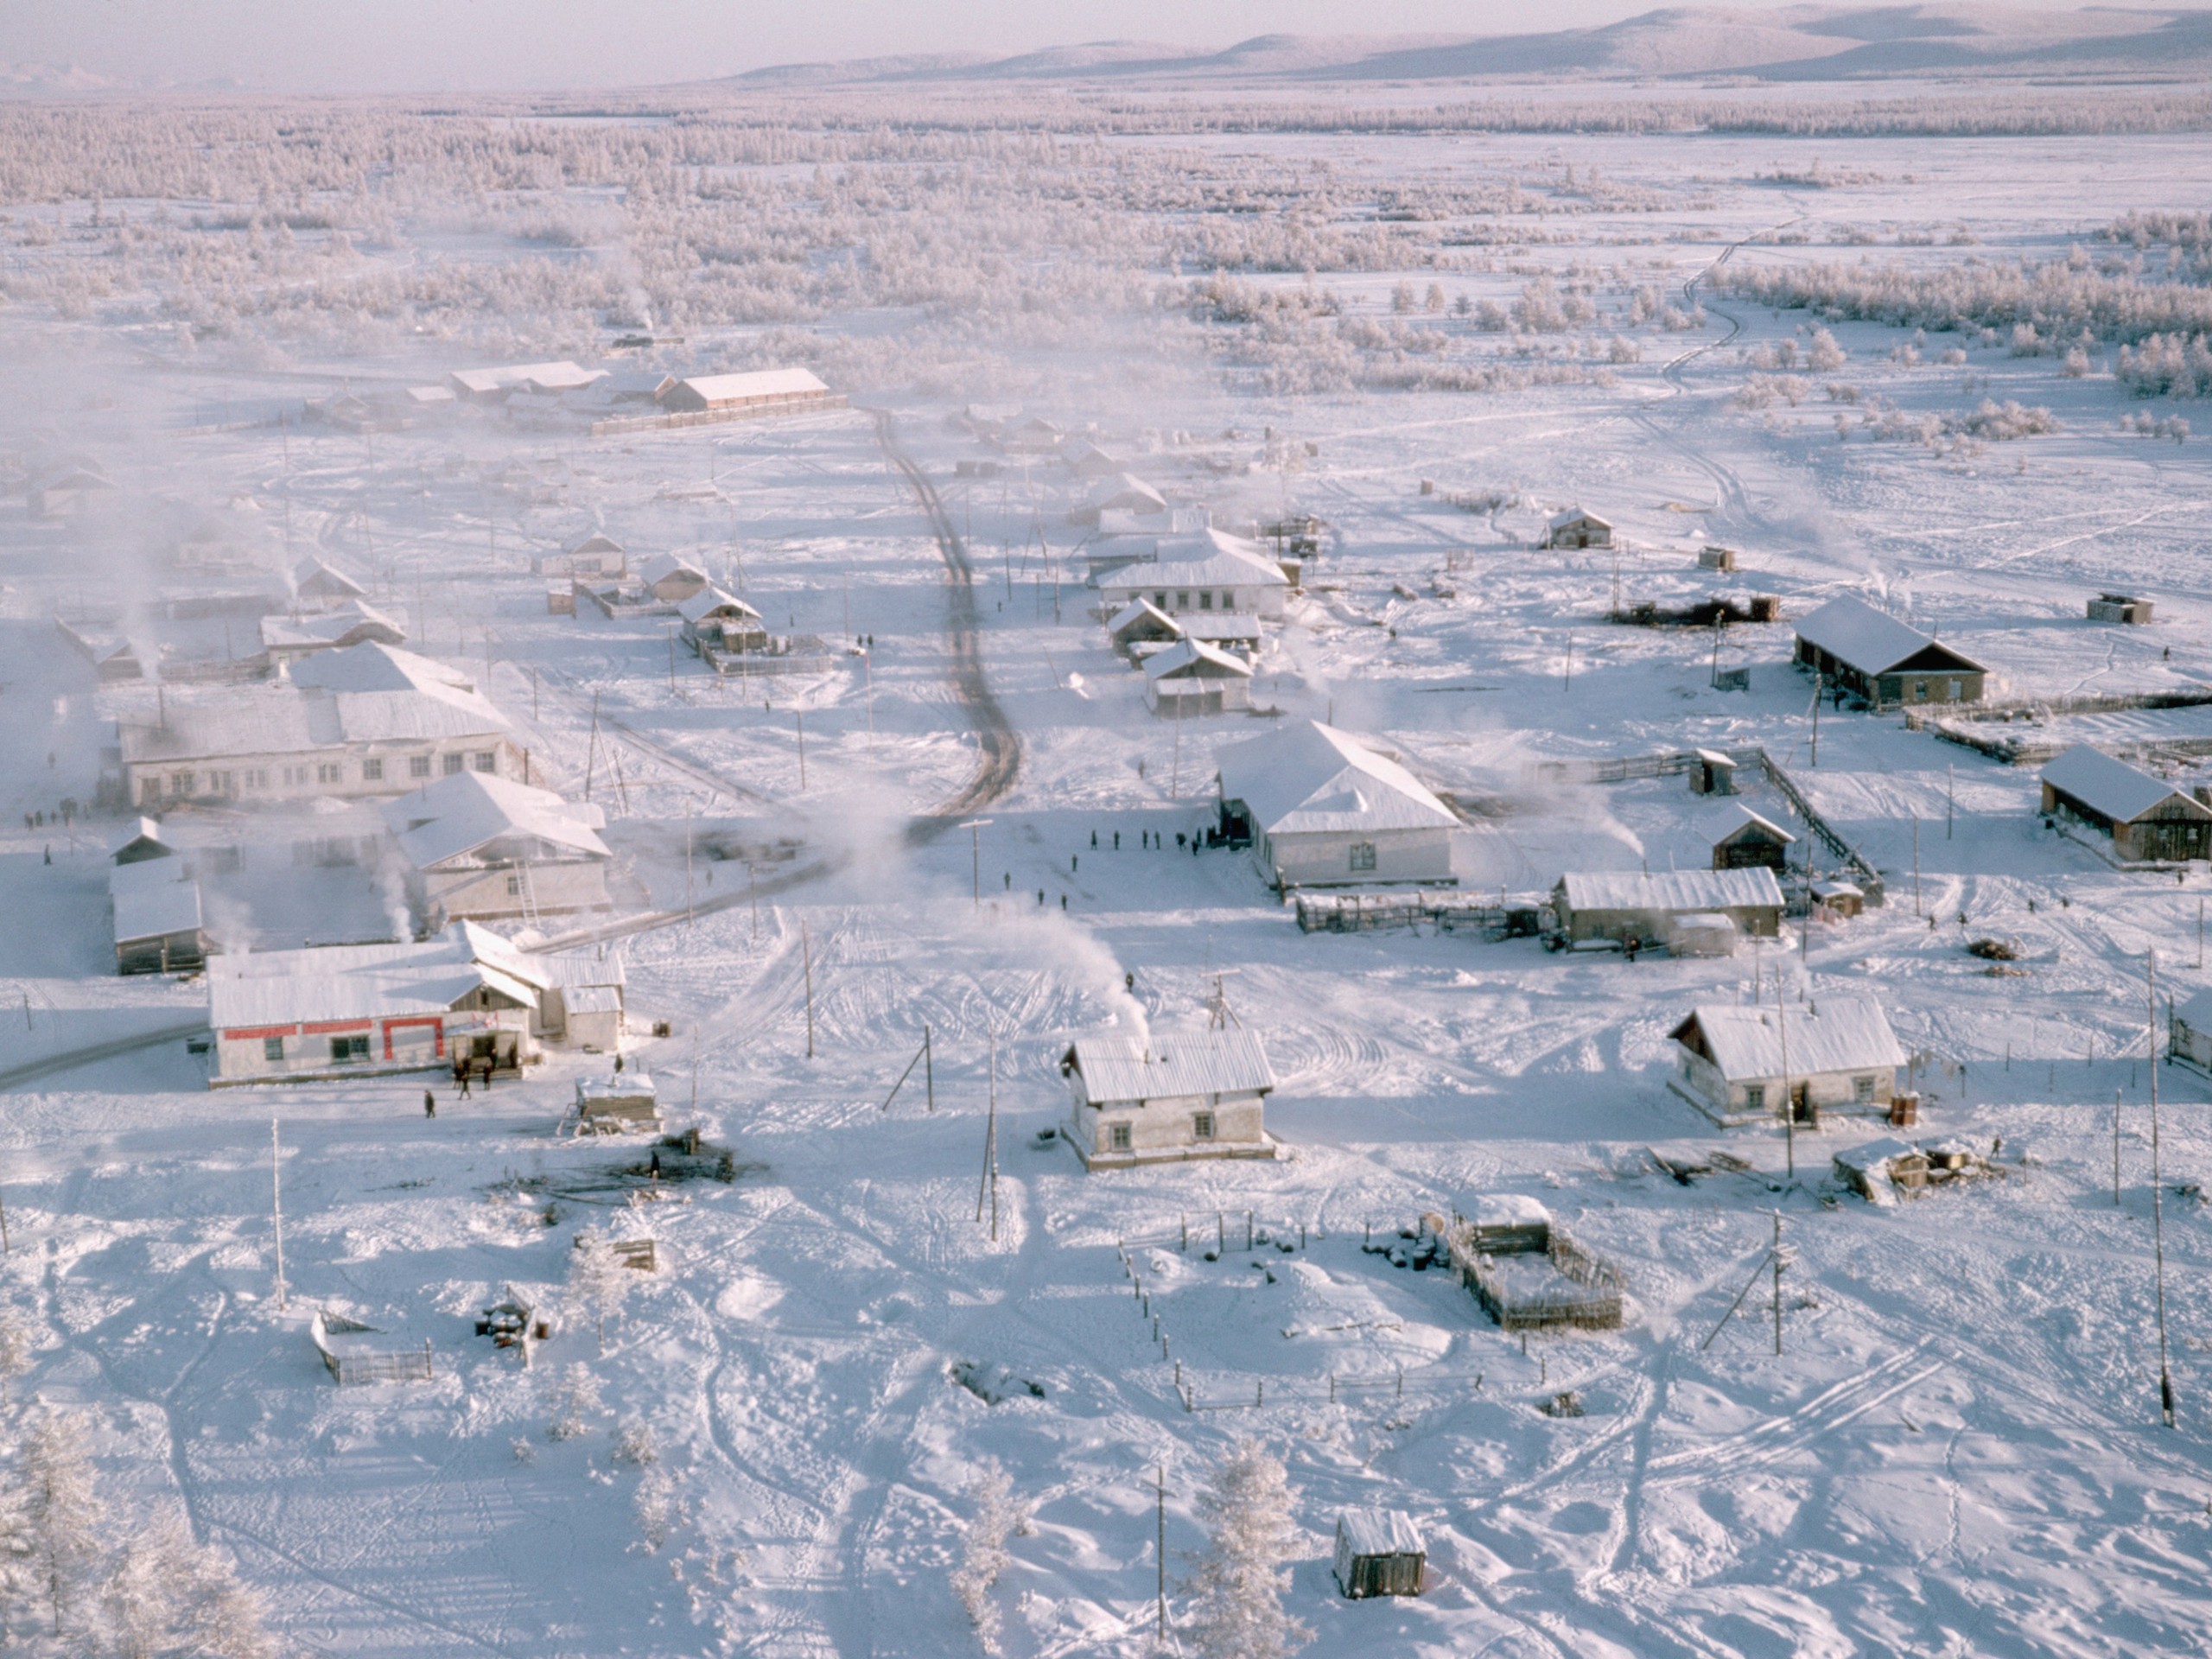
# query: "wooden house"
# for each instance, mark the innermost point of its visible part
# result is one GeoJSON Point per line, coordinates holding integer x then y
{"type": "Point", "coordinates": [1320, 808]}
{"type": "Point", "coordinates": [1575, 527]}
{"type": "Point", "coordinates": [1204, 570]}
{"type": "Point", "coordinates": [482, 848]}
{"type": "Point", "coordinates": [155, 904]}
{"type": "Point", "coordinates": [139, 839]}
{"type": "Point", "coordinates": [2120, 607]}
{"type": "Point", "coordinates": [715, 621]}
{"type": "Point", "coordinates": [1842, 899]}
{"type": "Point", "coordinates": [1135, 1100]}
{"type": "Point", "coordinates": [1740, 1064]}
{"type": "Point", "coordinates": [2189, 1032]}
{"type": "Point", "coordinates": [669, 580]}
{"type": "Point", "coordinates": [1138, 624]}
{"type": "Point", "coordinates": [70, 493]}
{"type": "Point", "coordinates": [1873, 655]}
{"type": "Point", "coordinates": [1742, 839]}
{"type": "Point", "coordinates": [1086, 460]}
{"type": "Point", "coordinates": [2149, 820]}
{"type": "Point", "coordinates": [1624, 906]}
{"type": "Point", "coordinates": [1379, 1553]}
{"type": "Point", "coordinates": [1191, 678]}
{"type": "Point", "coordinates": [594, 557]}
{"type": "Point", "coordinates": [755, 391]}
{"type": "Point", "coordinates": [1876, 1169]}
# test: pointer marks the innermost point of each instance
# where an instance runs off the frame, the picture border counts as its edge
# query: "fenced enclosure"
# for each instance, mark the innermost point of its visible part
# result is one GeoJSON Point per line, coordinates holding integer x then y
{"type": "Point", "coordinates": [1536, 1279]}
{"type": "Point", "coordinates": [355, 1353]}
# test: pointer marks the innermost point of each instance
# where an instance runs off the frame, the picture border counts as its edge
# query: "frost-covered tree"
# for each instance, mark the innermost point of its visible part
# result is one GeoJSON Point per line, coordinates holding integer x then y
{"type": "Point", "coordinates": [63, 1508]}
{"type": "Point", "coordinates": [575, 1401]}
{"type": "Point", "coordinates": [18, 1340]}
{"type": "Point", "coordinates": [1238, 1589]}
{"type": "Point", "coordinates": [660, 1508]}
{"type": "Point", "coordinates": [635, 1445]}
{"type": "Point", "coordinates": [167, 1595]}
{"type": "Point", "coordinates": [599, 1279]}
{"type": "Point", "coordinates": [983, 1555]}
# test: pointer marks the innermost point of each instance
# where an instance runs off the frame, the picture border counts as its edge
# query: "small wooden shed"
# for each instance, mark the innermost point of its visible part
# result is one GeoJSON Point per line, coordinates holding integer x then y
{"type": "Point", "coordinates": [1877, 1169]}
{"type": "Point", "coordinates": [2120, 607]}
{"type": "Point", "coordinates": [1839, 899]}
{"type": "Point", "coordinates": [1379, 1553]}
{"type": "Point", "coordinates": [1716, 558]}
{"type": "Point", "coordinates": [612, 1104]}
{"type": "Point", "coordinates": [2189, 1033]}
{"type": "Point", "coordinates": [2150, 820]}
{"type": "Point", "coordinates": [1712, 772]}
{"type": "Point", "coordinates": [1742, 839]}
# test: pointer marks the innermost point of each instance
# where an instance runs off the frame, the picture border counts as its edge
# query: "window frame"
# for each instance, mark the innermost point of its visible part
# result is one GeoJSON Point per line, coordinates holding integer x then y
{"type": "Point", "coordinates": [1119, 1138]}
{"type": "Point", "coordinates": [1204, 1126]}
{"type": "Point", "coordinates": [1362, 857]}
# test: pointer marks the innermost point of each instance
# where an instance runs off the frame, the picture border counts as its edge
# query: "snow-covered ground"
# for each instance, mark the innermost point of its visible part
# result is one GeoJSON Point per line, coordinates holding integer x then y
{"type": "Point", "coordinates": [1958, 1450]}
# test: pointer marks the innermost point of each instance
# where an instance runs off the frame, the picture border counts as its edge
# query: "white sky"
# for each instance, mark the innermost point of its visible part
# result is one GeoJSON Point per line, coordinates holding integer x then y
{"type": "Point", "coordinates": [438, 45]}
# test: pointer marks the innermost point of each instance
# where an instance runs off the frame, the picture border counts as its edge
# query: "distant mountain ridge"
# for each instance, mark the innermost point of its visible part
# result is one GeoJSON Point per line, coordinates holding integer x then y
{"type": "Point", "coordinates": [1803, 42]}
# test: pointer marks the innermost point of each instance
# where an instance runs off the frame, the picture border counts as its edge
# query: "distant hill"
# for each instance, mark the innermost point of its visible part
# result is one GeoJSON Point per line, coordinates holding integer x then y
{"type": "Point", "coordinates": [1804, 42]}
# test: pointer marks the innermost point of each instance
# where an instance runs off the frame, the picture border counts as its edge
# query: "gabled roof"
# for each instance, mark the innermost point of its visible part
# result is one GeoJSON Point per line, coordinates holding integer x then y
{"type": "Point", "coordinates": [452, 820]}
{"type": "Point", "coordinates": [758, 382]}
{"type": "Point", "coordinates": [352, 623]}
{"type": "Point", "coordinates": [314, 577]}
{"type": "Point", "coordinates": [138, 840]}
{"type": "Point", "coordinates": [597, 541]}
{"type": "Point", "coordinates": [1309, 778]}
{"type": "Point", "coordinates": [1874, 642]}
{"type": "Point", "coordinates": [366, 981]}
{"type": "Point", "coordinates": [2195, 1011]}
{"type": "Point", "coordinates": [662, 566]}
{"type": "Point", "coordinates": [1142, 611]}
{"type": "Point", "coordinates": [541, 377]}
{"type": "Point", "coordinates": [2114, 789]}
{"type": "Point", "coordinates": [380, 668]}
{"type": "Point", "coordinates": [1378, 1532]}
{"type": "Point", "coordinates": [1672, 890]}
{"type": "Point", "coordinates": [713, 602]}
{"type": "Point", "coordinates": [153, 899]}
{"type": "Point", "coordinates": [1575, 516]}
{"type": "Point", "coordinates": [1194, 659]}
{"type": "Point", "coordinates": [1127, 492]}
{"type": "Point", "coordinates": [1846, 1035]}
{"type": "Point", "coordinates": [1720, 822]}
{"type": "Point", "coordinates": [1127, 1069]}
{"type": "Point", "coordinates": [1201, 559]}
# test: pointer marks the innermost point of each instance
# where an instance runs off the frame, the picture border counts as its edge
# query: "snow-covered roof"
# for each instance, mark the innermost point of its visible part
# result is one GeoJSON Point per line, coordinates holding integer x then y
{"type": "Point", "coordinates": [1140, 610]}
{"type": "Point", "coordinates": [457, 817]}
{"type": "Point", "coordinates": [153, 899]}
{"type": "Point", "coordinates": [1846, 1035]}
{"type": "Point", "coordinates": [350, 623]}
{"type": "Point", "coordinates": [1676, 890]}
{"type": "Point", "coordinates": [579, 972]}
{"type": "Point", "coordinates": [757, 383]}
{"type": "Point", "coordinates": [1378, 1532]}
{"type": "Point", "coordinates": [2118, 791]}
{"type": "Point", "coordinates": [141, 837]}
{"type": "Point", "coordinates": [597, 541]}
{"type": "Point", "coordinates": [380, 668]}
{"type": "Point", "coordinates": [632, 1086]}
{"type": "Point", "coordinates": [1872, 1157]}
{"type": "Point", "coordinates": [1127, 493]}
{"type": "Point", "coordinates": [1507, 1210]}
{"type": "Point", "coordinates": [661, 566]}
{"type": "Point", "coordinates": [1720, 822]}
{"type": "Point", "coordinates": [314, 577]}
{"type": "Point", "coordinates": [365, 982]}
{"type": "Point", "coordinates": [2196, 1012]}
{"type": "Point", "coordinates": [1309, 778]}
{"type": "Point", "coordinates": [1216, 626]}
{"type": "Point", "coordinates": [713, 602]}
{"type": "Point", "coordinates": [1575, 516]}
{"type": "Point", "coordinates": [1195, 659]}
{"type": "Point", "coordinates": [539, 377]}
{"type": "Point", "coordinates": [1123, 1069]}
{"type": "Point", "coordinates": [1201, 559]}
{"type": "Point", "coordinates": [1873, 642]}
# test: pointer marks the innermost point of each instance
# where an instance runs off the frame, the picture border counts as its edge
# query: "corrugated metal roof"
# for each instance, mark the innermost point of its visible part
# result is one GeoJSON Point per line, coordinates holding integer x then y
{"type": "Point", "coordinates": [1561, 519]}
{"type": "Point", "coordinates": [1194, 659]}
{"type": "Point", "coordinates": [661, 566]}
{"type": "Point", "coordinates": [2113, 787]}
{"type": "Point", "coordinates": [458, 816]}
{"type": "Point", "coordinates": [1378, 1532]}
{"type": "Point", "coordinates": [1204, 558]}
{"type": "Point", "coordinates": [1129, 1069]}
{"type": "Point", "coordinates": [153, 898]}
{"type": "Point", "coordinates": [1310, 778]}
{"type": "Point", "coordinates": [1873, 642]}
{"type": "Point", "coordinates": [1846, 1035]}
{"type": "Point", "coordinates": [366, 981]}
{"type": "Point", "coordinates": [711, 600]}
{"type": "Point", "coordinates": [1671, 890]}
{"type": "Point", "coordinates": [1720, 822]}
{"type": "Point", "coordinates": [1137, 611]}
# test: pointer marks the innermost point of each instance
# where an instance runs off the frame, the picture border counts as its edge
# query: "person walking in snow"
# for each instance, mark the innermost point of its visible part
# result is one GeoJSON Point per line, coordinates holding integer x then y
{"type": "Point", "coordinates": [429, 1105]}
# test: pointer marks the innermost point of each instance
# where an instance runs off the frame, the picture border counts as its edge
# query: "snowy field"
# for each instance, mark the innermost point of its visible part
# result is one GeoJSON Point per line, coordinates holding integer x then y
{"type": "Point", "coordinates": [1958, 1450]}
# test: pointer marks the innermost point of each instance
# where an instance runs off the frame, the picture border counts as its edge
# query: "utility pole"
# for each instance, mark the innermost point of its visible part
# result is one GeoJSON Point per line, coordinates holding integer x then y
{"type": "Point", "coordinates": [277, 1206]}
{"type": "Point", "coordinates": [1950, 796]}
{"type": "Point", "coordinates": [1817, 688]}
{"type": "Point", "coordinates": [1159, 1550]}
{"type": "Point", "coordinates": [1916, 864]}
{"type": "Point", "coordinates": [591, 748]}
{"type": "Point", "coordinates": [2115, 1148]}
{"type": "Point", "coordinates": [1777, 1257]}
{"type": "Point", "coordinates": [800, 720]}
{"type": "Point", "coordinates": [989, 1186]}
{"type": "Point", "coordinates": [689, 911]}
{"type": "Point", "coordinates": [1788, 1106]}
{"type": "Point", "coordinates": [1566, 680]}
{"type": "Point", "coordinates": [2157, 1196]}
{"type": "Point", "coordinates": [753, 891]}
{"type": "Point", "coordinates": [806, 955]}
{"type": "Point", "coordinates": [974, 829]}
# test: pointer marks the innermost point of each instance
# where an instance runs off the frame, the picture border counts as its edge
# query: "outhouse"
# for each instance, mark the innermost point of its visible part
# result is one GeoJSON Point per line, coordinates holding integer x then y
{"type": "Point", "coordinates": [1379, 1553]}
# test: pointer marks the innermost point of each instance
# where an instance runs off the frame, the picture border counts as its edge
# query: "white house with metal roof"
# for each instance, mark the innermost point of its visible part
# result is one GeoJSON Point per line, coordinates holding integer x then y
{"type": "Point", "coordinates": [155, 904]}
{"type": "Point", "coordinates": [1739, 1065]}
{"type": "Point", "coordinates": [2149, 819]}
{"type": "Point", "coordinates": [1320, 808]}
{"type": "Point", "coordinates": [761, 390]}
{"type": "Point", "coordinates": [1872, 654]}
{"type": "Point", "coordinates": [1123, 493]}
{"type": "Point", "coordinates": [1206, 571]}
{"type": "Point", "coordinates": [721, 621]}
{"type": "Point", "coordinates": [367, 721]}
{"type": "Point", "coordinates": [1190, 678]}
{"type": "Point", "coordinates": [1626, 904]}
{"type": "Point", "coordinates": [486, 848]}
{"type": "Point", "coordinates": [341, 1011]}
{"type": "Point", "coordinates": [1575, 527]}
{"type": "Point", "coordinates": [669, 578]}
{"type": "Point", "coordinates": [1137, 1100]}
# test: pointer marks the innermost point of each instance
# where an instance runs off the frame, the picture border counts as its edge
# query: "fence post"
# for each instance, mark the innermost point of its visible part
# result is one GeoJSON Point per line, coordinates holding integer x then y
{"type": "Point", "coordinates": [1260, 1392]}
{"type": "Point", "coordinates": [1186, 1234]}
{"type": "Point", "coordinates": [1220, 1234]}
{"type": "Point", "coordinates": [1332, 1388]}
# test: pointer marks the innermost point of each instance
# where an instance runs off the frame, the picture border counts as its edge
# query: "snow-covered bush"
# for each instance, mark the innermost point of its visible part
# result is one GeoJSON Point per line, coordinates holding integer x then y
{"type": "Point", "coordinates": [1621, 349]}
{"type": "Point", "coordinates": [1825, 356]}
{"type": "Point", "coordinates": [2167, 366]}
{"type": "Point", "coordinates": [635, 1444]}
{"type": "Point", "coordinates": [983, 1551]}
{"type": "Point", "coordinates": [1763, 391]}
{"type": "Point", "coordinates": [660, 1509]}
{"type": "Point", "coordinates": [575, 1403]}
{"type": "Point", "coordinates": [63, 1511]}
{"type": "Point", "coordinates": [598, 1278]}
{"type": "Point", "coordinates": [1238, 1589]}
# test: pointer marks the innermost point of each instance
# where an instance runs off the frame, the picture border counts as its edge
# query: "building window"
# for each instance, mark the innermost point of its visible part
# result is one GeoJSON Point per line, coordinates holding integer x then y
{"type": "Point", "coordinates": [1159, 602]}
{"type": "Point", "coordinates": [1202, 1126]}
{"type": "Point", "coordinates": [329, 772]}
{"type": "Point", "coordinates": [514, 886]}
{"type": "Point", "coordinates": [180, 783]}
{"type": "Point", "coordinates": [272, 1048]}
{"type": "Point", "coordinates": [1228, 601]}
{"type": "Point", "coordinates": [418, 765]}
{"type": "Point", "coordinates": [453, 763]}
{"type": "Point", "coordinates": [488, 760]}
{"type": "Point", "coordinates": [1362, 856]}
{"type": "Point", "coordinates": [1182, 601]}
{"type": "Point", "coordinates": [1206, 601]}
{"type": "Point", "coordinates": [1862, 1090]}
{"type": "Point", "coordinates": [1117, 1137]}
{"type": "Point", "coordinates": [373, 771]}
{"type": "Point", "coordinates": [348, 1050]}
{"type": "Point", "coordinates": [1755, 1097]}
